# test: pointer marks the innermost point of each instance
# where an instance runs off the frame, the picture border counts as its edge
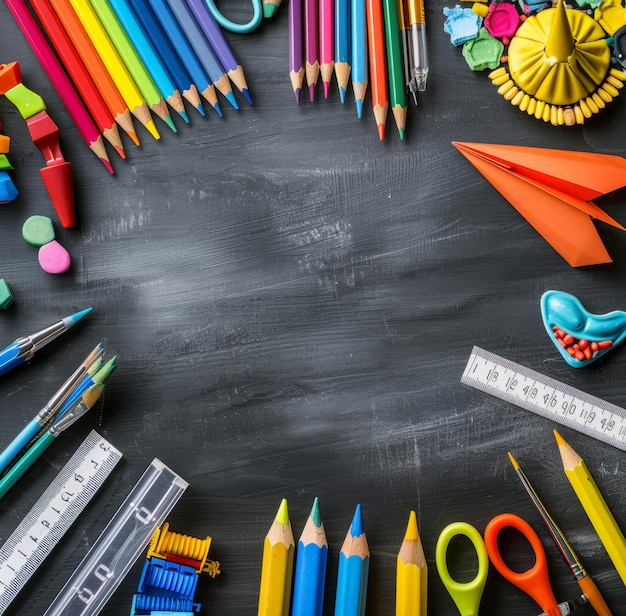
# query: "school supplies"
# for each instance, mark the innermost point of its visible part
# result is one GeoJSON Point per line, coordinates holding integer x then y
{"type": "Point", "coordinates": [53, 514]}
{"type": "Point", "coordinates": [395, 67]}
{"type": "Point", "coordinates": [358, 51]}
{"type": "Point", "coordinates": [327, 42]}
{"type": "Point", "coordinates": [24, 349]}
{"type": "Point", "coordinates": [296, 46]}
{"type": "Point", "coordinates": [311, 45]}
{"type": "Point", "coordinates": [580, 336]}
{"type": "Point", "coordinates": [534, 582]}
{"type": "Point", "coordinates": [310, 572]}
{"type": "Point", "coordinates": [419, 49]}
{"type": "Point", "coordinates": [379, 80]}
{"type": "Point", "coordinates": [552, 190]}
{"type": "Point", "coordinates": [353, 570]}
{"type": "Point", "coordinates": [343, 64]}
{"type": "Point", "coordinates": [594, 505]}
{"type": "Point", "coordinates": [584, 581]}
{"type": "Point", "coordinates": [545, 396]}
{"type": "Point", "coordinates": [411, 574]}
{"type": "Point", "coordinates": [8, 192]}
{"type": "Point", "coordinates": [277, 566]}
{"type": "Point", "coordinates": [120, 543]}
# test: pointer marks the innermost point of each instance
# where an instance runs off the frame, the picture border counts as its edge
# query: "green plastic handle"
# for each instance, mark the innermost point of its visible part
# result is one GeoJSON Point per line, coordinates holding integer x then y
{"type": "Point", "coordinates": [466, 595]}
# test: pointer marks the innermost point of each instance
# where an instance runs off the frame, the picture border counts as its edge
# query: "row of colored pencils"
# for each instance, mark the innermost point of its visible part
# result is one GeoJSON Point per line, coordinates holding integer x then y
{"type": "Point", "coordinates": [379, 42]}
{"type": "Point", "coordinates": [114, 60]}
{"type": "Point", "coordinates": [308, 579]}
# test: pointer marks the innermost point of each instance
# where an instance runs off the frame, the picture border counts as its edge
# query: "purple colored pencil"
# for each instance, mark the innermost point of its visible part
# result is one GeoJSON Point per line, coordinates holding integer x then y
{"type": "Point", "coordinates": [220, 45]}
{"type": "Point", "coordinates": [296, 47]}
{"type": "Point", "coordinates": [312, 44]}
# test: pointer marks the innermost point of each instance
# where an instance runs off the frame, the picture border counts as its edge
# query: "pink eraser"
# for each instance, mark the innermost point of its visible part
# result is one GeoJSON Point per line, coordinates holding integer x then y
{"type": "Point", "coordinates": [53, 258]}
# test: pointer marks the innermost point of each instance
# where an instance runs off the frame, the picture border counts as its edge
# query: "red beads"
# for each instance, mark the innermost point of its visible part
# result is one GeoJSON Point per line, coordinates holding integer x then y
{"type": "Point", "coordinates": [579, 348]}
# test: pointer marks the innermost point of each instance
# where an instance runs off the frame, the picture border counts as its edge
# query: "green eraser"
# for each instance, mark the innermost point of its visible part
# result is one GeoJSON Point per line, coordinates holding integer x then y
{"type": "Point", "coordinates": [6, 297]}
{"type": "Point", "coordinates": [38, 230]}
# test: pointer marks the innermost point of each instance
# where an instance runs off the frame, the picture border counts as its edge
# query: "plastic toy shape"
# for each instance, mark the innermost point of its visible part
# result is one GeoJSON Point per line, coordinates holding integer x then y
{"type": "Point", "coordinates": [8, 192]}
{"type": "Point", "coordinates": [57, 175]}
{"type": "Point", "coordinates": [461, 24]}
{"type": "Point", "coordinates": [580, 336]}
{"type": "Point", "coordinates": [483, 52]}
{"type": "Point", "coordinates": [552, 189]}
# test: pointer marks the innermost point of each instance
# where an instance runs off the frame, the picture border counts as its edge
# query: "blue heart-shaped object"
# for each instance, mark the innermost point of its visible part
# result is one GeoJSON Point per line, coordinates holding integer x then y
{"type": "Point", "coordinates": [580, 336]}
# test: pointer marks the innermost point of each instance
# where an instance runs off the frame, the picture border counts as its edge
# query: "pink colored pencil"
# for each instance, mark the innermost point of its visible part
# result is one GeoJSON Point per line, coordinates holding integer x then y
{"type": "Point", "coordinates": [59, 79]}
{"type": "Point", "coordinates": [327, 42]}
{"type": "Point", "coordinates": [311, 44]}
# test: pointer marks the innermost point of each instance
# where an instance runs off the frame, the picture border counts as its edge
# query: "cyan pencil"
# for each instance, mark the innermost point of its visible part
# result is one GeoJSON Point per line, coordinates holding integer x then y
{"type": "Point", "coordinates": [310, 573]}
{"type": "Point", "coordinates": [149, 55]}
{"type": "Point", "coordinates": [342, 46]}
{"type": "Point", "coordinates": [353, 570]}
{"type": "Point", "coordinates": [203, 49]}
{"type": "Point", "coordinates": [220, 46]}
{"type": "Point", "coordinates": [359, 52]}
{"type": "Point", "coordinates": [167, 53]}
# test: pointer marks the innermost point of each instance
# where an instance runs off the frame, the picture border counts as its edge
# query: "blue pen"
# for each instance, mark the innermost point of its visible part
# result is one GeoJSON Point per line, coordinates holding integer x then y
{"type": "Point", "coordinates": [49, 410]}
{"type": "Point", "coordinates": [23, 349]}
{"type": "Point", "coordinates": [178, 39]}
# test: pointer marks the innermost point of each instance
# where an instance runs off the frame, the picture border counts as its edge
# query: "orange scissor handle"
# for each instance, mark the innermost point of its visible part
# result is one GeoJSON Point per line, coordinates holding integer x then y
{"type": "Point", "coordinates": [535, 581]}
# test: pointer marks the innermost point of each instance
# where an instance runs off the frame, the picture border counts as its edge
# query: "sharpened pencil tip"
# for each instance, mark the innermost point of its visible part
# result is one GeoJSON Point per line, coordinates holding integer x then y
{"type": "Point", "coordinates": [559, 439]}
{"type": "Point", "coordinates": [315, 514]}
{"type": "Point", "coordinates": [296, 93]}
{"type": "Point", "coordinates": [282, 515]}
{"type": "Point", "coordinates": [401, 132]}
{"type": "Point", "coordinates": [152, 129]}
{"type": "Point", "coordinates": [184, 116]}
{"type": "Point", "coordinates": [108, 165]}
{"type": "Point", "coordinates": [326, 88]}
{"type": "Point", "coordinates": [77, 316]}
{"type": "Point", "coordinates": [269, 10]}
{"type": "Point", "coordinates": [312, 92]}
{"type": "Point", "coordinates": [170, 123]}
{"type": "Point", "coordinates": [356, 528]}
{"type": "Point", "coordinates": [411, 533]}
{"type": "Point", "coordinates": [342, 95]}
{"type": "Point", "coordinates": [230, 97]}
{"type": "Point", "coordinates": [218, 110]}
{"type": "Point", "coordinates": [246, 93]}
{"type": "Point", "coordinates": [513, 461]}
{"type": "Point", "coordinates": [359, 109]}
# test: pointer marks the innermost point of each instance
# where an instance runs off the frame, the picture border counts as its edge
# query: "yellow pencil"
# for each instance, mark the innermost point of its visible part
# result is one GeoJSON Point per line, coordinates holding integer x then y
{"type": "Point", "coordinates": [277, 567]}
{"type": "Point", "coordinates": [594, 505]}
{"type": "Point", "coordinates": [411, 573]}
{"type": "Point", "coordinates": [117, 69]}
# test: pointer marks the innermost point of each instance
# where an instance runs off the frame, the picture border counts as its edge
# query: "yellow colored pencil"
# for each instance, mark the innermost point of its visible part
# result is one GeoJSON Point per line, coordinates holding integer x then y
{"type": "Point", "coordinates": [411, 573]}
{"type": "Point", "coordinates": [116, 67]}
{"type": "Point", "coordinates": [277, 567]}
{"type": "Point", "coordinates": [594, 505]}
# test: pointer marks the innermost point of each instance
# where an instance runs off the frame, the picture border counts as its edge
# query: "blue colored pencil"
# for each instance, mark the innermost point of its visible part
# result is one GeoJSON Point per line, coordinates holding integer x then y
{"type": "Point", "coordinates": [167, 53]}
{"type": "Point", "coordinates": [359, 51]}
{"type": "Point", "coordinates": [310, 574]}
{"type": "Point", "coordinates": [149, 56]}
{"type": "Point", "coordinates": [342, 46]}
{"type": "Point", "coordinates": [220, 45]}
{"type": "Point", "coordinates": [354, 560]}
{"type": "Point", "coordinates": [203, 50]}
{"type": "Point", "coordinates": [185, 50]}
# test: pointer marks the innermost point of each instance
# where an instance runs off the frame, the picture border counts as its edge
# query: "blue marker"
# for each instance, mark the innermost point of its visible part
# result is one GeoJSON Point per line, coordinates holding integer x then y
{"type": "Point", "coordinates": [23, 349]}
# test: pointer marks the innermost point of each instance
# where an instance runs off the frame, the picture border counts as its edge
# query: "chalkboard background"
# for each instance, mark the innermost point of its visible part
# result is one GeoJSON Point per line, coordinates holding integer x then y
{"type": "Point", "coordinates": [293, 303]}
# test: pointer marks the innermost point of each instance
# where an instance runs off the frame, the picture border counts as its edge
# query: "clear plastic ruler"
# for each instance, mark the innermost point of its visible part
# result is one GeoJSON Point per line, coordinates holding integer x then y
{"type": "Point", "coordinates": [546, 396]}
{"type": "Point", "coordinates": [119, 545]}
{"type": "Point", "coordinates": [53, 514]}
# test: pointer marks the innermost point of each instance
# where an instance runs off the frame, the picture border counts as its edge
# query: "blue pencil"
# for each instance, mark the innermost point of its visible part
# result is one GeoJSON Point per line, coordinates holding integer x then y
{"type": "Point", "coordinates": [166, 52]}
{"type": "Point", "coordinates": [185, 50]}
{"type": "Point", "coordinates": [342, 46]}
{"type": "Point", "coordinates": [203, 50]}
{"type": "Point", "coordinates": [354, 560]}
{"type": "Point", "coordinates": [310, 574]}
{"type": "Point", "coordinates": [149, 56]}
{"type": "Point", "coordinates": [359, 51]}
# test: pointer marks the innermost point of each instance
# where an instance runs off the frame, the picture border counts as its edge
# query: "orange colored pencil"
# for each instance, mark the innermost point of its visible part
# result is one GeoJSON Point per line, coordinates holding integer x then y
{"type": "Point", "coordinates": [378, 63]}
{"type": "Point", "coordinates": [77, 71]}
{"type": "Point", "coordinates": [95, 67]}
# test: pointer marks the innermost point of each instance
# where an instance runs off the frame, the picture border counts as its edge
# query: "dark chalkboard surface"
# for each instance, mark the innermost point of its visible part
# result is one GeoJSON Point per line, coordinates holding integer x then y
{"type": "Point", "coordinates": [293, 303]}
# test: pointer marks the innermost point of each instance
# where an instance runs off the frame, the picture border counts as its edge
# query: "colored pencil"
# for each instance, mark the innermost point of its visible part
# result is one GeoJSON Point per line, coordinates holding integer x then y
{"type": "Point", "coordinates": [185, 51]}
{"type": "Point", "coordinates": [296, 46]}
{"type": "Point", "coordinates": [584, 581]}
{"type": "Point", "coordinates": [167, 53]}
{"type": "Point", "coordinates": [203, 49]}
{"type": "Point", "coordinates": [132, 61]}
{"type": "Point", "coordinates": [594, 505]}
{"type": "Point", "coordinates": [411, 573]}
{"type": "Point", "coordinates": [277, 567]}
{"type": "Point", "coordinates": [270, 7]}
{"type": "Point", "coordinates": [78, 73]}
{"type": "Point", "coordinates": [115, 65]}
{"type": "Point", "coordinates": [327, 42]}
{"type": "Point", "coordinates": [311, 45]}
{"type": "Point", "coordinates": [310, 573]}
{"type": "Point", "coordinates": [353, 570]}
{"type": "Point", "coordinates": [395, 65]}
{"type": "Point", "coordinates": [342, 46]}
{"type": "Point", "coordinates": [95, 66]}
{"type": "Point", "coordinates": [220, 46]}
{"type": "Point", "coordinates": [149, 56]}
{"type": "Point", "coordinates": [358, 38]}
{"type": "Point", "coordinates": [378, 64]}
{"type": "Point", "coordinates": [63, 86]}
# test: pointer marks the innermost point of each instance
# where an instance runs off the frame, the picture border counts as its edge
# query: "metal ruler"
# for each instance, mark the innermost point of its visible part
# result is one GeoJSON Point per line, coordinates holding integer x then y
{"type": "Point", "coordinates": [120, 543]}
{"type": "Point", "coordinates": [547, 397]}
{"type": "Point", "coordinates": [54, 513]}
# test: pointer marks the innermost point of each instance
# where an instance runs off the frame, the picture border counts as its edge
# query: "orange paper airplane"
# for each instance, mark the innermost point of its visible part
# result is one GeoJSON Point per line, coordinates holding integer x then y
{"type": "Point", "coordinates": [552, 190]}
